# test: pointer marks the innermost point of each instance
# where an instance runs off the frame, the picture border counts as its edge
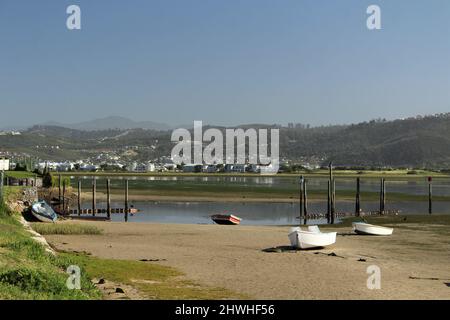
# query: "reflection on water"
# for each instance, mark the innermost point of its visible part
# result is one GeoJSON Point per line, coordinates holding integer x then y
{"type": "Point", "coordinates": [441, 186]}
{"type": "Point", "coordinates": [272, 213]}
{"type": "Point", "coordinates": [253, 213]}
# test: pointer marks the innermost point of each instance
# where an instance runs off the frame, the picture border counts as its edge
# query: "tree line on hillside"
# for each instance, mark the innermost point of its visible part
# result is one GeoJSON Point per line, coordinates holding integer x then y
{"type": "Point", "coordinates": [415, 142]}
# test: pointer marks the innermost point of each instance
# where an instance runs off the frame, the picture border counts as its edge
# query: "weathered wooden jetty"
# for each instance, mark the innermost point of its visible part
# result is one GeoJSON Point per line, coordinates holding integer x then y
{"type": "Point", "coordinates": [89, 218]}
{"type": "Point", "coordinates": [102, 211]}
{"type": "Point", "coordinates": [61, 204]}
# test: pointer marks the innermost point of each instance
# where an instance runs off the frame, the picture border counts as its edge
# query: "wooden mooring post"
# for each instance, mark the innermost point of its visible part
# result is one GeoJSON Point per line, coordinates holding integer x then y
{"type": "Point", "coordinates": [332, 195]}
{"type": "Point", "coordinates": [301, 198]}
{"type": "Point", "coordinates": [79, 197]}
{"type": "Point", "coordinates": [305, 203]}
{"type": "Point", "coordinates": [63, 211]}
{"type": "Point", "coordinates": [430, 195]}
{"type": "Point", "coordinates": [126, 200]}
{"type": "Point", "coordinates": [59, 192]}
{"type": "Point", "coordinates": [94, 189]}
{"type": "Point", "coordinates": [382, 196]}
{"type": "Point", "coordinates": [333, 202]}
{"type": "Point", "coordinates": [358, 198]}
{"type": "Point", "coordinates": [108, 198]}
{"type": "Point", "coordinates": [329, 203]}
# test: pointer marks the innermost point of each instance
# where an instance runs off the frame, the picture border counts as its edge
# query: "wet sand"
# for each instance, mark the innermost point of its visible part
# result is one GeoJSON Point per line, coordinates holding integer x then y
{"type": "Point", "coordinates": [232, 257]}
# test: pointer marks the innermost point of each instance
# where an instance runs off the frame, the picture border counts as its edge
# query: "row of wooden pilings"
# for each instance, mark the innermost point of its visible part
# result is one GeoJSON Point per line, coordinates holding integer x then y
{"type": "Point", "coordinates": [331, 198]}
{"type": "Point", "coordinates": [331, 214]}
{"type": "Point", "coordinates": [94, 210]}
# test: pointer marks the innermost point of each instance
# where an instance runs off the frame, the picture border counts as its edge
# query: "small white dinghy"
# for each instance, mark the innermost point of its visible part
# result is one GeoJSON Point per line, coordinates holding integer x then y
{"type": "Point", "coordinates": [312, 238]}
{"type": "Point", "coordinates": [370, 229]}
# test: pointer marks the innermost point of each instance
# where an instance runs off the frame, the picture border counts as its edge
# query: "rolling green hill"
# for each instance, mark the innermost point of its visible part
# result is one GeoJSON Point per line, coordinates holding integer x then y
{"type": "Point", "coordinates": [417, 142]}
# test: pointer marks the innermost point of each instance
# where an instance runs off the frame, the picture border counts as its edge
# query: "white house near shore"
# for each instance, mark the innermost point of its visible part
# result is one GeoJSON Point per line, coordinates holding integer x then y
{"type": "Point", "coordinates": [4, 164]}
{"type": "Point", "coordinates": [150, 167]}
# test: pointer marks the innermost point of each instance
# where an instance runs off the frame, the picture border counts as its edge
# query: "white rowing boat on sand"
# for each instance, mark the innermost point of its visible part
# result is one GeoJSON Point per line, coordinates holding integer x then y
{"type": "Point", "coordinates": [370, 229]}
{"type": "Point", "coordinates": [312, 238]}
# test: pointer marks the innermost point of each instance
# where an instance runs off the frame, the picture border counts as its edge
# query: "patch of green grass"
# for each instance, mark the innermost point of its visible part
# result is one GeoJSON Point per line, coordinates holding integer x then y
{"type": "Point", "coordinates": [20, 174]}
{"type": "Point", "coordinates": [65, 228]}
{"type": "Point", "coordinates": [11, 194]}
{"type": "Point", "coordinates": [4, 211]}
{"type": "Point", "coordinates": [27, 271]}
{"type": "Point", "coordinates": [152, 280]}
{"type": "Point", "coordinates": [56, 181]}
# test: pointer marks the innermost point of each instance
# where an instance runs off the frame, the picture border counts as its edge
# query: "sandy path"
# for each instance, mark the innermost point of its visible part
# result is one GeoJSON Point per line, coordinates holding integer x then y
{"type": "Point", "coordinates": [232, 257]}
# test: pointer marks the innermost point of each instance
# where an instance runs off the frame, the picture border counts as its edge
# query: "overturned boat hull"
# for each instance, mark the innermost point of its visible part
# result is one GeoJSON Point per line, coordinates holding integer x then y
{"type": "Point", "coordinates": [370, 229]}
{"type": "Point", "coordinates": [43, 212]}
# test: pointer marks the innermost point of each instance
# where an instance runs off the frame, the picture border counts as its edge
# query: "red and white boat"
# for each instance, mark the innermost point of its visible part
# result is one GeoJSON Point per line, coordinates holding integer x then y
{"type": "Point", "coordinates": [228, 219]}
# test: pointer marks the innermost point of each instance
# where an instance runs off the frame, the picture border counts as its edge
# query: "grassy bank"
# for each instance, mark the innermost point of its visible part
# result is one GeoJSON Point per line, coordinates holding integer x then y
{"type": "Point", "coordinates": [28, 271]}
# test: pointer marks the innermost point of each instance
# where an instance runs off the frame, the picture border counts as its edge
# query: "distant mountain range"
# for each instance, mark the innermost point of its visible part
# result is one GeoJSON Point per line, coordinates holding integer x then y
{"type": "Point", "coordinates": [112, 122]}
{"type": "Point", "coordinates": [412, 142]}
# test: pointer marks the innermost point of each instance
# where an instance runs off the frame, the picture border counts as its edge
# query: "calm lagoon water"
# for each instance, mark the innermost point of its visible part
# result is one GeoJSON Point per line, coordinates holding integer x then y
{"type": "Point", "coordinates": [412, 186]}
{"type": "Point", "coordinates": [252, 213]}
{"type": "Point", "coordinates": [270, 213]}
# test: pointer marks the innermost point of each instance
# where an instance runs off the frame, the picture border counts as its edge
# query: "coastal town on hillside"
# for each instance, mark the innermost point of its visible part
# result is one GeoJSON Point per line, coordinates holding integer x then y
{"type": "Point", "coordinates": [114, 164]}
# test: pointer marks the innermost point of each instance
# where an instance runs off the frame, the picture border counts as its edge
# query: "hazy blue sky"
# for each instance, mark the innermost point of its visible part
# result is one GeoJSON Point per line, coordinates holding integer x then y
{"type": "Point", "coordinates": [223, 62]}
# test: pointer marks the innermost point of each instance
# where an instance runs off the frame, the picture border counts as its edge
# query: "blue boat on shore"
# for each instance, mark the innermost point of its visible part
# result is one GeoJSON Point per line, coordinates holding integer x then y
{"type": "Point", "coordinates": [43, 212]}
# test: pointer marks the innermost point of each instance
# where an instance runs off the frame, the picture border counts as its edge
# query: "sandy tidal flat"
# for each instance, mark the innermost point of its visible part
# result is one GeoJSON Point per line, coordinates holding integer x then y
{"type": "Point", "coordinates": [233, 257]}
